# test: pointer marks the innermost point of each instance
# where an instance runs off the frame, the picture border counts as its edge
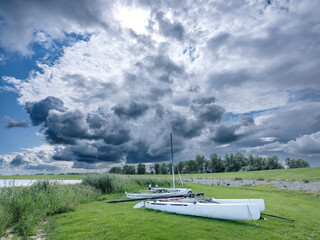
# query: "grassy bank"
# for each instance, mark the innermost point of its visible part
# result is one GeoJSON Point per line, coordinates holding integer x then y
{"type": "Point", "coordinates": [297, 174]}
{"type": "Point", "coordinates": [97, 220]}
{"type": "Point", "coordinates": [113, 183]}
{"type": "Point", "coordinates": [22, 208]}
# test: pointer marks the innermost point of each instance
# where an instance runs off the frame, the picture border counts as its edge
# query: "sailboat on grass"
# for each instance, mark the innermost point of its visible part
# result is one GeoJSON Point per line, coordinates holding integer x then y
{"type": "Point", "coordinates": [161, 192]}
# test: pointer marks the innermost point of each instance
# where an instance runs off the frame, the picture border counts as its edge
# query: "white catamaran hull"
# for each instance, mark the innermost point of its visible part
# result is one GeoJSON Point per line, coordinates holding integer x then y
{"type": "Point", "coordinates": [227, 211]}
{"type": "Point", "coordinates": [153, 193]}
{"type": "Point", "coordinates": [259, 202]}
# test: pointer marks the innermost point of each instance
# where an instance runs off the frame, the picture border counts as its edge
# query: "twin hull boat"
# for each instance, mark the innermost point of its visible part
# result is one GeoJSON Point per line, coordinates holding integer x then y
{"type": "Point", "coordinates": [228, 209]}
{"type": "Point", "coordinates": [159, 192]}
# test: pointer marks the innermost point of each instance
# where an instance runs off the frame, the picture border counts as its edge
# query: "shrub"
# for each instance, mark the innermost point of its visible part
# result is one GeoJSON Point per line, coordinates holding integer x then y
{"type": "Point", "coordinates": [23, 207]}
{"type": "Point", "coordinates": [112, 183]}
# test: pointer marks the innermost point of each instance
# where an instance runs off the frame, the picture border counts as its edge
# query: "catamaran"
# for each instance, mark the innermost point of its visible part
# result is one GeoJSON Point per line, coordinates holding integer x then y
{"type": "Point", "coordinates": [161, 192]}
{"type": "Point", "coordinates": [227, 209]}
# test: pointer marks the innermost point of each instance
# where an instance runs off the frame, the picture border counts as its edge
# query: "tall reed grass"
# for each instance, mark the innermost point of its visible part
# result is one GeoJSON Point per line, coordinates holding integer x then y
{"type": "Point", "coordinates": [21, 208]}
{"type": "Point", "coordinates": [114, 183]}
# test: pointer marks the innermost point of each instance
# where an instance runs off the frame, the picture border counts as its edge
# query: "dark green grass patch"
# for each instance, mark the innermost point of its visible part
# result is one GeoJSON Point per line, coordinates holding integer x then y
{"type": "Point", "coordinates": [114, 183]}
{"type": "Point", "coordinates": [311, 174]}
{"type": "Point", "coordinates": [22, 208]}
{"type": "Point", "coordinates": [97, 220]}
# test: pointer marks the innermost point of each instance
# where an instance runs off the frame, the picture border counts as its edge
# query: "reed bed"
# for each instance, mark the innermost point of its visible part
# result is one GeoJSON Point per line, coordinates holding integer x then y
{"type": "Point", "coordinates": [114, 183]}
{"type": "Point", "coordinates": [22, 208]}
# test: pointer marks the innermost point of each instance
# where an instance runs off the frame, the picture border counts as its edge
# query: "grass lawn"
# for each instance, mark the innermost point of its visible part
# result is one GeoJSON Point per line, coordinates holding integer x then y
{"type": "Point", "coordinates": [53, 177]}
{"type": "Point", "coordinates": [296, 174]}
{"type": "Point", "coordinates": [97, 220]}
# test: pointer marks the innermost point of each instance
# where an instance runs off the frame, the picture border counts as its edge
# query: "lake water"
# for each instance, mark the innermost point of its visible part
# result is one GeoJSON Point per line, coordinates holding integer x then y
{"type": "Point", "coordinates": [28, 182]}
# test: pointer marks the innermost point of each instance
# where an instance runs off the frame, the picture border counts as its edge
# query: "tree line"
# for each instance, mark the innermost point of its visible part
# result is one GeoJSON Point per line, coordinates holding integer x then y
{"type": "Point", "coordinates": [215, 164]}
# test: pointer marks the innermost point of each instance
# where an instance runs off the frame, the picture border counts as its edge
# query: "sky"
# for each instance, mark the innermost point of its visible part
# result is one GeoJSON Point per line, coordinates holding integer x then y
{"type": "Point", "coordinates": [89, 84]}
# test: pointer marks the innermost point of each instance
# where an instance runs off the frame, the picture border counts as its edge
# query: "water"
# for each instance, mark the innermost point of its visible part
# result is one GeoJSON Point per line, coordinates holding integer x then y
{"type": "Point", "coordinates": [28, 182]}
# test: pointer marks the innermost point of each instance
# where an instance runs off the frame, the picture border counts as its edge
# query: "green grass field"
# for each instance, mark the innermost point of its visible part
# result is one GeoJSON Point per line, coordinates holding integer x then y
{"type": "Point", "coordinates": [297, 174]}
{"type": "Point", "coordinates": [97, 220]}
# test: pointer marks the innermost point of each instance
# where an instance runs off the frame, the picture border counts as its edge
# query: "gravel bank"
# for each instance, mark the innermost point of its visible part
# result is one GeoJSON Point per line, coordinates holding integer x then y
{"type": "Point", "coordinates": [310, 186]}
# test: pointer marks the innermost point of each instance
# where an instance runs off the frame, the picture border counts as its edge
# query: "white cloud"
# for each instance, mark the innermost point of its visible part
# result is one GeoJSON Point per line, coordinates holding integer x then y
{"type": "Point", "coordinates": [249, 55]}
{"type": "Point", "coordinates": [306, 144]}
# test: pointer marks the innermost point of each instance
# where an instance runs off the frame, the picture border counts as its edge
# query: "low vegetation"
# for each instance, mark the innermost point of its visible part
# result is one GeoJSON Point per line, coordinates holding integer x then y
{"type": "Point", "coordinates": [300, 175]}
{"type": "Point", "coordinates": [113, 183]}
{"type": "Point", "coordinates": [21, 208]}
{"type": "Point", "coordinates": [98, 220]}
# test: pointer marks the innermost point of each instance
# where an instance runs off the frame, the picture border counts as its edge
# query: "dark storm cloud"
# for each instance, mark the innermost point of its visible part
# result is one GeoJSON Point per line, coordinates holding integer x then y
{"type": "Point", "coordinates": [210, 113]}
{"type": "Point", "coordinates": [292, 122]}
{"type": "Point", "coordinates": [39, 111]}
{"type": "Point", "coordinates": [171, 30]}
{"type": "Point", "coordinates": [99, 136]}
{"type": "Point", "coordinates": [229, 78]}
{"type": "Point", "coordinates": [157, 151]}
{"type": "Point", "coordinates": [204, 100]}
{"type": "Point", "coordinates": [162, 67]}
{"type": "Point", "coordinates": [230, 132]}
{"type": "Point", "coordinates": [15, 123]}
{"type": "Point", "coordinates": [157, 93]}
{"type": "Point", "coordinates": [186, 128]}
{"type": "Point", "coordinates": [66, 127]}
{"type": "Point", "coordinates": [18, 160]}
{"type": "Point", "coordinates": [206, 110]}
{"type": "Point", "coordinates": [41, 167]}
{"type": "Point", "coordinates": [216, 42]}
{"type": "Point", "coordinates": [133, 111]}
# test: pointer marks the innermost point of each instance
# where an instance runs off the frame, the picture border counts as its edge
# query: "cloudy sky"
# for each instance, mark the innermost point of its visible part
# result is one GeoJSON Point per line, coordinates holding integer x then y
{"type": "Point", "coordinates": [90, 84]}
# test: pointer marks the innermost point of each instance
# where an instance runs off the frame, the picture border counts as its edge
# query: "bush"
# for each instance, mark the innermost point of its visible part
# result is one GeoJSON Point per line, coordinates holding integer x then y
{"type": "Point", "coordinates": [112, 183]}
{"type": "Point", "coordinates": [23, 207]}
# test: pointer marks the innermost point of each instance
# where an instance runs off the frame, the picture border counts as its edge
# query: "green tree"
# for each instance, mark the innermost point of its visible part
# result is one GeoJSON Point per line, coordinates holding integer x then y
{"type": "Point", "coordinates": [192, 166]}
{"type": "Point", "coordinates": [216, 163]}
{"type": "Point", "coordinates": [186, 169]}
{"type": "Point", "coordinates": [180, 166]}
{"type": "Point", "coordinates": [272, 163]}
{"type": "Point", "coordinates": [157, 168]}
{"type": "Point", "coordinates": [151, 169]}
{"type": "Point", "coordinates": [164, 168]}
{"type": "Point", "coordinates": [200, 160]}
{"type": "Point", "coordinates": [128, 169]}
{"type": "Point", "coordinates": [296, 163]}
{"type": "Point", "coordinates": [207, 166]}
{"type": "Point", "coordinates": [116, 170]}
{"type": "Point", "coordinates": [141, 168]}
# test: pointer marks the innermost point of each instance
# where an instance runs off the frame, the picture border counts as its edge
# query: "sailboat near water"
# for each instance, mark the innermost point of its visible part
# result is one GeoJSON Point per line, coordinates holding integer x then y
{"type": "Point", "coordinates": [161, 192]}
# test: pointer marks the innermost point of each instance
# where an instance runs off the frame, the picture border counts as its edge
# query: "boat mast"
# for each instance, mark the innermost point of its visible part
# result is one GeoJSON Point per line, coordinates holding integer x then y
{"type": "Point", "coordinates": [173, 184]}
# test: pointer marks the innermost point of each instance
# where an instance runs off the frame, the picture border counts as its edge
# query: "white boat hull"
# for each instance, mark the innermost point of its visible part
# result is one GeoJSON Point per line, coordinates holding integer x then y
{"type": "Point", "coordinates": [227, 211]}
{"type": "Point", "coordinates": [152, 193]}
{"type": "Point", "coordinates": [259, 202]}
